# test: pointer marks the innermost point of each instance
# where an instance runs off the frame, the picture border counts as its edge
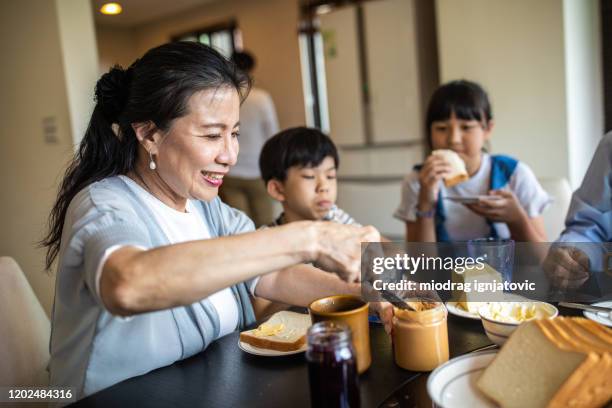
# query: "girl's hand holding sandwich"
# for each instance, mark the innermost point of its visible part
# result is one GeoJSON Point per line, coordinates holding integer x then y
{"type": "Point", "coordinates": [434, 169]}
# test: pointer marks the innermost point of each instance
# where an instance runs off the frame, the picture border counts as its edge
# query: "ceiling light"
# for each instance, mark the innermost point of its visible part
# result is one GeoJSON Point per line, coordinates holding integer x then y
{"type": "Point", "coordinates": [111, 8]}
{"type": "Point", "coordinates": [324, 9]}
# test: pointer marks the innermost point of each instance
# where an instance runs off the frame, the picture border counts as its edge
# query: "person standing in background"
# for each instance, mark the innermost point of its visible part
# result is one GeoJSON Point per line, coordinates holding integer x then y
{"type": "Point", "coordinates": [243, 188]}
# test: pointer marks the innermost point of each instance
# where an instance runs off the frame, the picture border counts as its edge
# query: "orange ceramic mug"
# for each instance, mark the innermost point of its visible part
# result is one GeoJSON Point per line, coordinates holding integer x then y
{"type": "Point", "coordinates": [352, 311]}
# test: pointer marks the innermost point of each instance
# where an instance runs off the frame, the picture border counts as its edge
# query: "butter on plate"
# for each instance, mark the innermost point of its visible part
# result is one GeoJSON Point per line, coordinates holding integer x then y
{"type": "Point", "coordinates": [514, 312]}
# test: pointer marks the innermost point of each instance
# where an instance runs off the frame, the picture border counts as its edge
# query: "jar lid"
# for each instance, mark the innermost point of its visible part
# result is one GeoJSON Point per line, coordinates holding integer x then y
{"type": "Point", "coordinates": [428, 312]}
{"type": "Point", "coordinates": [328, 334]}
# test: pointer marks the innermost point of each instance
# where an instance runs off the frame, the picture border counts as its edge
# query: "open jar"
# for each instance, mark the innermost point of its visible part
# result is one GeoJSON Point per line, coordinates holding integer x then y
{"type": "Point", "coordinates": [420, 337]}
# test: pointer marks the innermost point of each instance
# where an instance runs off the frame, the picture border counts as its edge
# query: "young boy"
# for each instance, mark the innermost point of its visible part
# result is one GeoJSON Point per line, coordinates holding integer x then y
{"type": "Point", "coordinates": [299, 168]}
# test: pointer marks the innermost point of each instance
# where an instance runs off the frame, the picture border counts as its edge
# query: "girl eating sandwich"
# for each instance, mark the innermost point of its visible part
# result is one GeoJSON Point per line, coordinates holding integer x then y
{"type": "Point", "coordinates": [461, 192]}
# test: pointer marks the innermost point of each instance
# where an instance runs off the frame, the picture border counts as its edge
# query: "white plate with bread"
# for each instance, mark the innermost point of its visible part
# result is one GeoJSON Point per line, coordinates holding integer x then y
{"type": "Point", "coordinates": [282, 334]}
{"type": "Point", "coordinates": [563, 361]}
{"type": "Point", "coordinates": [453, 384]}
{"type": "Point", "coordinates": [247, 348]}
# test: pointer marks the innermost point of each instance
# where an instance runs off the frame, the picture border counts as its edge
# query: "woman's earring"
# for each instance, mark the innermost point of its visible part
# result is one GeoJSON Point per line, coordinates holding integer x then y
{"type": "Point", "coordinates": [152, 164]}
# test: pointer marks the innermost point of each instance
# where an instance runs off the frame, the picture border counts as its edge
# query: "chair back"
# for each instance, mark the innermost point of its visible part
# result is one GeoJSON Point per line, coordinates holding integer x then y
{"type": "Point", "coordinates": [24, 330]}
{"type": "Point", "coordinates": [554, 216]}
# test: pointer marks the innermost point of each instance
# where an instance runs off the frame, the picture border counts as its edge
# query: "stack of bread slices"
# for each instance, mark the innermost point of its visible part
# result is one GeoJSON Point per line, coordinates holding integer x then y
{"type": "Point", "coordinates": [561, 362]}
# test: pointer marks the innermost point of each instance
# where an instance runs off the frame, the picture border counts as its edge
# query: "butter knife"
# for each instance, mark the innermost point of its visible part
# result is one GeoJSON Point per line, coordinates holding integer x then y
{"type": "Point", "coordinates": [588, 308]}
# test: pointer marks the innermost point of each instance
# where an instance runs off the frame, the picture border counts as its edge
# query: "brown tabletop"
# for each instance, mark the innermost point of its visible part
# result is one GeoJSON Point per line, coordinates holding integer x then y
{"type": "Point", "coordinates": [224, 376]}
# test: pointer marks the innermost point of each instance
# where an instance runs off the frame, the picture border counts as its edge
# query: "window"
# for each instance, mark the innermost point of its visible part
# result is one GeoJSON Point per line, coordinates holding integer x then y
{"type": "Point", "coordinates": [224, 37]}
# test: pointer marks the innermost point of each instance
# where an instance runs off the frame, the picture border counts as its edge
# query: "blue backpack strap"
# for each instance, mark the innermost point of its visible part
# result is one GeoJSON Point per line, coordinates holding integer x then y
{"type": "Point", "coordinates": [440, 215]}
{"type": "Point", "coordinates": [502, 168]}
{"type": "Point", "coordinates": [440, 219]}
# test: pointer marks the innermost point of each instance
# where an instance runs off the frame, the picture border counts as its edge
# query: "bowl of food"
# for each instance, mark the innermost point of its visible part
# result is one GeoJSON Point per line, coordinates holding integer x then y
{"type": "Point", "coordinates": [500, 319]}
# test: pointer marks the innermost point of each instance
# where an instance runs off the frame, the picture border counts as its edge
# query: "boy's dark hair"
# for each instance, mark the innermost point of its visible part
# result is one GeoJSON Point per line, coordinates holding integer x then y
{"type": "Point", "coordinates": [299, 146]}
{"type": "Point", "coordinates": [467, 99]}
{"type": "Point", "coordinates": [244, 60]}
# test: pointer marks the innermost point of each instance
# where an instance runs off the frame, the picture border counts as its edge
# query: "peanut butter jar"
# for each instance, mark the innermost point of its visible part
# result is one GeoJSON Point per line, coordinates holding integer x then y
{"type": "Point", "coordinates": [420, 337]}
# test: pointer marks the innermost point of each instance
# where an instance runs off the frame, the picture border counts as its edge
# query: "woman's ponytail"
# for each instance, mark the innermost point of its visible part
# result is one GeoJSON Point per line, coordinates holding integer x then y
{"type": "Point", "coordinates": [103, 152]}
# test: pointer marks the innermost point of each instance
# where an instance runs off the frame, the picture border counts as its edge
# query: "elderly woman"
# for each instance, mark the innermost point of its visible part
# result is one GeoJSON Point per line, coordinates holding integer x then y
{"type": "Point", "coordinates": [152, 266]}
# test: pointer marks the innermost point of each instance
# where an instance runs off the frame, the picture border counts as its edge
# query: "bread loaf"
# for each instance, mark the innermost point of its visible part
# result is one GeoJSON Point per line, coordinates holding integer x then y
{"type": "Point", "coordinates": [561, 362]}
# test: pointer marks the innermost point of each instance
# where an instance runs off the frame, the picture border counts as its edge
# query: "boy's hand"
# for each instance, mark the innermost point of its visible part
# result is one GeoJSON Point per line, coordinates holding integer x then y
{"type": "Point", "coordinates": [506, 208]}
{"type": "Point", "coordinates": [339, 248]}
{"type": "Point", "coordinates": [384, 310]}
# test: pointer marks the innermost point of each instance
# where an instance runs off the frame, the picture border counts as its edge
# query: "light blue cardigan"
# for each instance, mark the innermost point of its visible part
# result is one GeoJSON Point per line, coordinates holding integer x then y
{"type": "Point", "coordinates": [92, 349]}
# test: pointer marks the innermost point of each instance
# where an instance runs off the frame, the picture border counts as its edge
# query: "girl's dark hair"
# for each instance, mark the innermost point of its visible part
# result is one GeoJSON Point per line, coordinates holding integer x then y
{"type": "Point", "coordinates": [465, 98]}
{"type": "Point", "coordinates": [156, 89]}
{"type": "Point", "coordinates": [299, 146]}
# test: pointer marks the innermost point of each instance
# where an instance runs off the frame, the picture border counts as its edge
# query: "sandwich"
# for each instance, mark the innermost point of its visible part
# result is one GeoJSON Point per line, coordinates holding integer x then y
{"type": "Point", "coordinates": [472, 301]}
{"type": "Point", "coordinates": [284, 331]}
{"type": "Point", "coordinates": [561, 362]}
{"type": "Point", "coordinates": [459, 172]}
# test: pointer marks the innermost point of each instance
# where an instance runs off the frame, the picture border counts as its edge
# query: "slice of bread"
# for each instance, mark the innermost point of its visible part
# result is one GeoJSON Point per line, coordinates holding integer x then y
{"type": "Point", "coordinates": [561, 362]}
{"type": "Point", "coordinates": [459, 172]}
{"type": "Point", "coordinates": [284, 331]}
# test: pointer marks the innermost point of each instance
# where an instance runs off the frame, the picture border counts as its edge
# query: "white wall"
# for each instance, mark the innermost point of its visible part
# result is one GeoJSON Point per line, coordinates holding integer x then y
{"type": "Point", "coordinates": [34, 86]}
{"type": "Point", "coordinates": [584, 83]}
{"type": "Point", "coordinates": [80, 59]}
{"type": "Point", "coordinates": [515, 50]}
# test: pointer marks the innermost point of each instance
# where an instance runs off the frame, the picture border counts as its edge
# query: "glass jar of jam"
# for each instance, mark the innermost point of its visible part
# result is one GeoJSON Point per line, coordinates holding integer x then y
{"type": "Point", "coordinates": [332, 367]}
{"type": "Point", "coordinates": [420, 336]}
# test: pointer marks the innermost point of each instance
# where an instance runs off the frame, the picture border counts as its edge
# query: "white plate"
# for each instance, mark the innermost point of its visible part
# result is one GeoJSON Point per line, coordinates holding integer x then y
{"type": "Point", "coordinates": [453, 384]}
{"type": "Point", "coordinates": [471, 199]}
{"type": "Point", "coordinates": [454, 309]}
{"type": "Point", "coordinates": [600, 318]}
{"type": "Point", "coordinates": [247, 348]}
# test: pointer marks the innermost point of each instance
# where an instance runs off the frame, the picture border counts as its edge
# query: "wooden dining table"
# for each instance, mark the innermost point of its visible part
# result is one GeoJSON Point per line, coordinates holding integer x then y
{"type": "Point", "coordinates": [225, 376]}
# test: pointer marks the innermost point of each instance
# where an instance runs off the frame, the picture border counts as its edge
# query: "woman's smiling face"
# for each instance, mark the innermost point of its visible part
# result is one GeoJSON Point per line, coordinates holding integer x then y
{"type": "Point", "coordinates": [200, 147]}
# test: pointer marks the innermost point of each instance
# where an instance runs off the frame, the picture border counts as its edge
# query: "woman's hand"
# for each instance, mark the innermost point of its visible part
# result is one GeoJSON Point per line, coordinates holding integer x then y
{"type": "Point", "coordinates": [506, 208]}
{"type": "Point", "coordinates": [338, 248]}
{"type": "Point", "coordinates": [434, 169]}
